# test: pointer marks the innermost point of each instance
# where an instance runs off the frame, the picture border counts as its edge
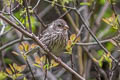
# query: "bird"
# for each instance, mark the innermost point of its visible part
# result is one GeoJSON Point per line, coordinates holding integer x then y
{"type": "Point", "coordinates": [55, 36]}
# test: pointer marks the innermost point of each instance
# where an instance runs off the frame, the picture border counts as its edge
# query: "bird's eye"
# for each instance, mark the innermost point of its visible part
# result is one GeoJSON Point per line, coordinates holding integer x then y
{"type": "Point", "coordinates": [59, 25]}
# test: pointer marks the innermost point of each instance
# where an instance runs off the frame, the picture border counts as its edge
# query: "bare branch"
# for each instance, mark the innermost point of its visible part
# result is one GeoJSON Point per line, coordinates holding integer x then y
{"type": "Point", "coordinates": [93, 43]}
{"type": "Point", "coordinates": [13, 42]}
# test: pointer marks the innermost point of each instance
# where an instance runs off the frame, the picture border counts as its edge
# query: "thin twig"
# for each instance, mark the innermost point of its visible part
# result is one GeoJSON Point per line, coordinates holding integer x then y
{"type": "Point", "coordinates": [4, 33]}
{"type": "Point", "coordinates": [3, 27]}
{"type": "Point", "coordinates": [17, 21]}
{"type": "Point", "coordinates": [93, 43]}
{"type": "Point", "coordinates": [36, 5]}
{"type": "Point", "coordinates": [59, 5]}
{"type": "Point", "coordinates": [28, 15]}
{"type": "Point", "coordinates": [65, 13]}
{"type": "Point", "coordinates": [6, 13]}
{"type": "Point", "coordinates": [39, 19]}
{"type": "Point", "coordinates": [30, 69]}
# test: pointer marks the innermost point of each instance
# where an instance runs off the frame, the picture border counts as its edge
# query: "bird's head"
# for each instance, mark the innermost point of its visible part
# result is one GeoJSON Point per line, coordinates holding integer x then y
{"type": "Point", "coordinates": [59, 25]}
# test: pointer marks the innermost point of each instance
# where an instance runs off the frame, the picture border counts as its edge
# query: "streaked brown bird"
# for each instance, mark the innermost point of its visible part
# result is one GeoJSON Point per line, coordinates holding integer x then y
{"type": "Point", "coordinates": [55, 37]}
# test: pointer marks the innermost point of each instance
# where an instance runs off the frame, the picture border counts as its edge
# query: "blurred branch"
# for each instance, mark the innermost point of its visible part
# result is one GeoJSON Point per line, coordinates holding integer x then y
{"type": "Point", "coordinates": [28, 15]}
{"type": "Point", "coordinates": [46, 10]}
{"type": "Point", "coordinates": [3, 27]}
{"type": "Point", "coordinates": [72, 22]}
{"type": "Point", "coordinates": [4, 33]}
{"type": "Point", "coordinates": [100, 15]}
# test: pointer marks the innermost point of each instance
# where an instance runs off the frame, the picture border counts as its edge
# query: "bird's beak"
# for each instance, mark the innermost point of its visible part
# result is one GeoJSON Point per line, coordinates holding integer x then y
{"type": "Point", "coordinates": [66, 27]}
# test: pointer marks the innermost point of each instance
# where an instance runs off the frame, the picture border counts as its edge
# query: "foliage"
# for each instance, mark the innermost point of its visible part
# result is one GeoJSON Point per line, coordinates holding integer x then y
{"type": "Point", "coordinates": [112, 21]}
{"type": "Point", "coordinates": [63, 2]}
{"type": "Point", "coordinates": [3, 75]}
{"type": "Point", "coordinates": [15, 71]}
{"type": "Point", "coordinates": [73, 40]}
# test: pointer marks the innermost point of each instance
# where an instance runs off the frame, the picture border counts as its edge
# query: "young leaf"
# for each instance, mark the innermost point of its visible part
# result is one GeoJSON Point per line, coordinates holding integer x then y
{"type": "Point", "coordinates": [19, 68]}
{"type": "Point", "coordinates": [39, 66]}
{"type": "Point", "coordinates": [46, 66]}
{"type": "Point", "coordinates": [37, 59]}
{"type": "Point", "coordinates": [85, 3]}
{"type": "Point", "coordinates": [72, 37]}
{"type": "Point", "coordinates": [11, 67]}
{"type": "Point", "coordinates": [69, 46]}
{"type": "Point", "coordinates": [20, 47]}
{"type": "Point", "coordinates": [76, 40]}
{"type": "Point", "coordinates": [101, 61]}
{"type": "Point", "coordinates": [3, 75]}
{"type": "Point", "coordinates": [9, 71]}
{"type": "Point", "coordinates": [53, 63]}
{"type": "Point", "coordinates": [33, 45]}
{"type": "Point", "coordinates": [26, 46]}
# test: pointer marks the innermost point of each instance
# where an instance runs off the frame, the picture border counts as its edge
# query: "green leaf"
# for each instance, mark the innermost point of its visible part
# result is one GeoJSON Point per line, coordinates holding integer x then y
{"type": "Point", "coordinates": [8, 71]}
{"type": "Point", "coordinates": [3, 75]}
{"type": "Point", "coordinates": [109, 46]}
{"type": "Point", "coordinates": [37, 65]}
{"type": "Point", "coordinates": [72, 37]}
{"type": "Point", "coordinates": [15, 76]}
{"type": "Point", "coordinates": [46, 66]}
{"type": "Point", "coordinates": [8, 61]}
{"type": "Point", "coordinates": [100, 63]}
{"type": "Point", "coordinates": [85, 3]}
{"type": "Point", "coordinates": [100, 52]}
{"type": "Point", "coordinates": [101, 1]}
{"type": "Point", "coordinates": [24, 78]}
{"type": "Point", "coordinates": [20, 1]}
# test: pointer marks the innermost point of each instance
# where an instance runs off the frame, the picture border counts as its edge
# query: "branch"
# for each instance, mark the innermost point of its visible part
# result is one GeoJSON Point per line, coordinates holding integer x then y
{"type": "Point", "coordinates": [30, 69]}
{"type": "Point", "coordinates": [36, 5]}
{"type": "Point", "coordinates": [65, 13]}
{"type": "Point", "coordinates": [4, 33]}
{"type": "Point", "coordinates": [40, 20]}
{"type": "Point", "coordinates": [93, 43]}
{"type": "Point", "coordinates": [3, 28]}
{"type": "Point", "coordinates": [60, 5]}
{"type": "Point", "coordinates": [33, 37]}
{"type": "Point", "coordinates": [28, 15]}
{"type": "Point", "coordinates": [12, 43]}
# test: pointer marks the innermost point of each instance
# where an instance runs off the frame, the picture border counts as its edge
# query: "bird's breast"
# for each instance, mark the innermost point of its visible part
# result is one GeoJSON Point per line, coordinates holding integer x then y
{"type": "Point", "coordinates": [58, 44]}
